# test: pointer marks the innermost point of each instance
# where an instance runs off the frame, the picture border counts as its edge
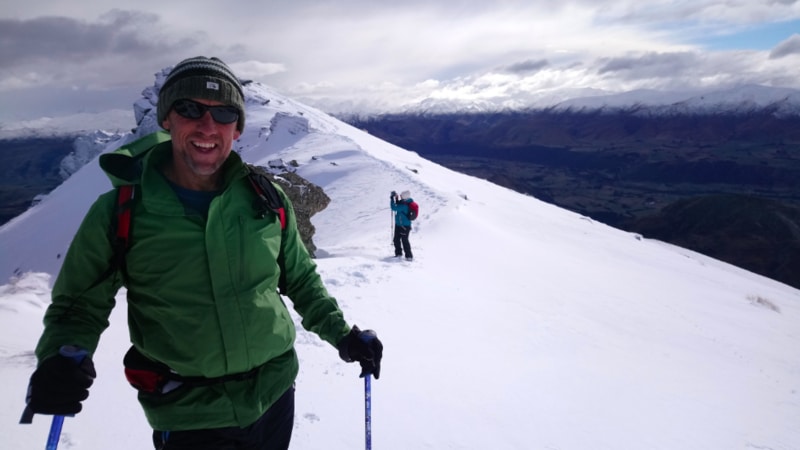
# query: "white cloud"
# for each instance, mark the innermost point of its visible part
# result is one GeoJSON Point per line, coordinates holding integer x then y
{"type": "Point", "coordinates": [256, 69]}
{"type": "Point", "coordinates": [23, 81]}
{"type": "Point", "coordinates": [388, 53]}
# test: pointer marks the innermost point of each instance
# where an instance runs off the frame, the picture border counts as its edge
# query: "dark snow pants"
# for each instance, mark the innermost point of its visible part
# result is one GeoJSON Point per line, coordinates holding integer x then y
{"type": "Point", "coordinates": [272, 431]}
{"type": "Point", "coordinates": [401, 237]}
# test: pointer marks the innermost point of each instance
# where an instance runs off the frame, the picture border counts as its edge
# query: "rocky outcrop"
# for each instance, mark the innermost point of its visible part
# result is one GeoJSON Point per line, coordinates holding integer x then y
{"type": "Point", "coordinates": [85, 148]}
{"type": "Point", "coordinates": [307, 199]}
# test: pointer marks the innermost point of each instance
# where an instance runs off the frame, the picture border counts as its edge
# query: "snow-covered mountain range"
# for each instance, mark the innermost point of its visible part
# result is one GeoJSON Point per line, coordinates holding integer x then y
{"type": "Point", "coordinates": [742, 99]}
{"type": "Point", "coordinates": [519, 325]}
{"type": "Point", "coordinates": [114, 121]}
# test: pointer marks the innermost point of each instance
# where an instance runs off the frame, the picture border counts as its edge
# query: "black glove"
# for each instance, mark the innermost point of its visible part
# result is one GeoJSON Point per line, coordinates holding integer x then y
{"type": "Point", "coordinates": [59, 385]}
{"type": "Point", "coordinates": [364, 347]}
{"type": "Point", "coordinates": [393, 196]}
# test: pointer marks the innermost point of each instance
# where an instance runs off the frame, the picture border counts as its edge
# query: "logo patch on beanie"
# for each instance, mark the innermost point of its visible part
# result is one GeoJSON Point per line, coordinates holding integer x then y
{"type": "Point", "coordinates": [212, 85]}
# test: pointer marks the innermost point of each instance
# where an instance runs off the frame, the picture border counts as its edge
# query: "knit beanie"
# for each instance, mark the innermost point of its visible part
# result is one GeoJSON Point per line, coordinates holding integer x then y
{"type": "Point", "coordinates": [205, 78]}
{"type": "Point", "coordinates": [405, 195]}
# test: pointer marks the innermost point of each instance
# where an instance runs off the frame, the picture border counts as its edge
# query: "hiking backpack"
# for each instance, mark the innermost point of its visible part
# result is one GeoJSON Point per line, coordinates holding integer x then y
{"type": "Point", "coordinates": [413, 210]}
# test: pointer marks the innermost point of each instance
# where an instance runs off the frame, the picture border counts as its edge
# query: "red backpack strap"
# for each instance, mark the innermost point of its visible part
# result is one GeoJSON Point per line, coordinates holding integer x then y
{"type": "Point", "coordinates": [119, 234]}
{"type": "Point", "coordinates": [267, 193]}
{"type": "Point", "coordinates": [121, 238]}
{"type": "Point", "coordinates": [124, 202]}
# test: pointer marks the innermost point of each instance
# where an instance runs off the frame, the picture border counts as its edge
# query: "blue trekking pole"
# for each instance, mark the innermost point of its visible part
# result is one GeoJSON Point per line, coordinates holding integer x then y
{"type": "Point", "coordinates": [77, 355]}
{"type": "Point", "coordinates": [55, 433]}
{"type": "Point", "coordinates": [368, 410]}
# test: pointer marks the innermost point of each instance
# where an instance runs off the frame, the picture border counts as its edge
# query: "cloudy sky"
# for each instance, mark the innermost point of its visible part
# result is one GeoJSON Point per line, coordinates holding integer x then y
{"type": "Point", "coordinates": [354, 55]}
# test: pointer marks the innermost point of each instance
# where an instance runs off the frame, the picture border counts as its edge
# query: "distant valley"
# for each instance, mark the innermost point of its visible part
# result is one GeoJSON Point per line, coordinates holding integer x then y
{"type": "Point", "coordinates": [29, 167]}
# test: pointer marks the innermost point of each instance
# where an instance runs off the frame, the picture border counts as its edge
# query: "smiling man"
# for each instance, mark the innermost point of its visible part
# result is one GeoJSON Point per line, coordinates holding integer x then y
{"type": "Point", "coordinates": [200, 142]}
{"type": "Point", "coordinates": [213, 353]}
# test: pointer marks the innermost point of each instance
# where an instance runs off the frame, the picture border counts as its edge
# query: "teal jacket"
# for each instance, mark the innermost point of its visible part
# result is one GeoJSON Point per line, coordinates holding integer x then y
{"type": "Point", "coordinates": [400, 209]}
{"type": "Point", "coordinates": [201, 292]}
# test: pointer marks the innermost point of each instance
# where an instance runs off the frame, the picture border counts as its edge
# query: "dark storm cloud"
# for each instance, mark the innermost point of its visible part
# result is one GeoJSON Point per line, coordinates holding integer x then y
{"type": "Point", "coordinates": [61, 38]}
{"type": "Point", "coordinates": [527, 66]}
{"type": "Point", "coordinates": [649, 65]}
{"type": "Point", "coordinates": [788, 47]}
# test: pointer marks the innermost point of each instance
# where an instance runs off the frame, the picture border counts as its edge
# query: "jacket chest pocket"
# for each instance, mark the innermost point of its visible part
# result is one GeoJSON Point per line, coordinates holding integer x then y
{"type": "Point", "coordinates": [166, 252]}
{"type": "Point", "coordinates": [259, 243]}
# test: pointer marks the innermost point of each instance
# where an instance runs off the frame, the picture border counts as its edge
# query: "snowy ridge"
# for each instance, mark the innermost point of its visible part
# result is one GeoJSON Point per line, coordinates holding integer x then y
{"type": "Point", "coordinates": [518, 326]}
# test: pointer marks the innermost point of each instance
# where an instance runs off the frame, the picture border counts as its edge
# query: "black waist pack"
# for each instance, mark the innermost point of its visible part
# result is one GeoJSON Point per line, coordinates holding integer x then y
{"type": "Point", "coordinates": [154, 377]}
{"type": "Point", "coordinates": [149, 376]}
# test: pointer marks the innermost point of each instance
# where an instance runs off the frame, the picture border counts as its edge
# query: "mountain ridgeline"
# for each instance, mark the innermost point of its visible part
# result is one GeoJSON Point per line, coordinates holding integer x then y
{"type": "Point", "coordinates": [725, 183]}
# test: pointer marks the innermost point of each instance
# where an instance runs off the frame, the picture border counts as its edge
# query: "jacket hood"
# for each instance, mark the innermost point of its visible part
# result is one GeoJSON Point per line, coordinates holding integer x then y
{"type": "Point", "coordinates": [124, 165]}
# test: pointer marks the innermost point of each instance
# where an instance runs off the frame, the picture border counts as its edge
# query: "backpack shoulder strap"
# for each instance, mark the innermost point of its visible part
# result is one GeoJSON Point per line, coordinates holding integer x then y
{"type": "Point", "coordinates": [121, 237]}
{"type": "Point", "coordinates": [125, 195]}
{"type": "Point", "coordinates": [268, 197]}
{"type": "Point", "coordinates": [119, 234]}
{"type": "Point", "coordinates": [269, 200]}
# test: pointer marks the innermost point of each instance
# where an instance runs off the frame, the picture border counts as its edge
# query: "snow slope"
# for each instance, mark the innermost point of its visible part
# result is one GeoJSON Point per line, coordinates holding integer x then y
{"type": "Point", "coordinates": [518, 326]}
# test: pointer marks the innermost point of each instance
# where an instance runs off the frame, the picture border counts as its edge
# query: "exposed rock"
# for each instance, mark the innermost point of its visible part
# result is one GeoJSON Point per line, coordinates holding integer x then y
{"type": "Point", "coordinates": [85, 148]}
{"type": "Point", "coordinates": [307, 199]}
{"type": "Point", "coordinates": [279, 165]}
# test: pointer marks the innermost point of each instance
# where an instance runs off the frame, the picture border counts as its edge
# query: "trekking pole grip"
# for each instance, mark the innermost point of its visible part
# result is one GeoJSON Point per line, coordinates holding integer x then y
{"type": "Point", "coordinates": [77, 355]}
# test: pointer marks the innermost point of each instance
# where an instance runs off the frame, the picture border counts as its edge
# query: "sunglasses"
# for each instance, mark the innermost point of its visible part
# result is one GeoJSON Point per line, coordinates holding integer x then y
{"type": "Point", "coordinates": [192, 110]}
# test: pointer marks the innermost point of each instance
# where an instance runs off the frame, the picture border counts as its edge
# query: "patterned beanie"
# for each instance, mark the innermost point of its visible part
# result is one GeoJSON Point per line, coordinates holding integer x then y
{"type": "Point", "coordinates": [205, 78]}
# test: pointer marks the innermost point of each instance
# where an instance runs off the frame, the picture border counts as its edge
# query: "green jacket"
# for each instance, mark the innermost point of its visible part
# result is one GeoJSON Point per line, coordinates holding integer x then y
{"type": "Point", "coordinates": [201, 292]}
